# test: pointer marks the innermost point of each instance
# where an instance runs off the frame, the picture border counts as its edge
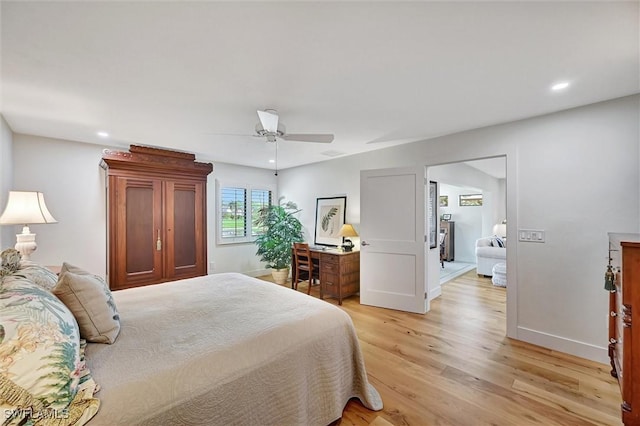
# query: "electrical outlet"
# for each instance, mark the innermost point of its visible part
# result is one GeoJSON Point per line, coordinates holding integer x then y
{"type": "Point", "coordinates": [531, 235]}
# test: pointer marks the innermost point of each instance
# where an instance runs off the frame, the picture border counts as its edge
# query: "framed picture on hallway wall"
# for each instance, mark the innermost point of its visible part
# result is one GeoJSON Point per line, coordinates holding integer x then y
{"type": "Point", "coordinates": [471, 200]}
{"type": "Point", "coordinates": [432, 214]}
{"type": "Point", "coordinates": [330, 216]}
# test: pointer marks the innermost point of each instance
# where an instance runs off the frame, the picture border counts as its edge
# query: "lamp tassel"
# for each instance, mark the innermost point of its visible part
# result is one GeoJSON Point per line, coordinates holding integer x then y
{"type": "Point", "coordinates": [609, 277]}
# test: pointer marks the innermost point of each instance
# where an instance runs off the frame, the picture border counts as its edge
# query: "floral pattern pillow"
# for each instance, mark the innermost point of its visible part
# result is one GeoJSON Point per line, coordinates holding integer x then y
{"type": "Point", "coordinates": [38, 274]}
{"type": "Point", "coordinates": [41, 365]}
{"type": "Point", "coordinates": [9, 262]}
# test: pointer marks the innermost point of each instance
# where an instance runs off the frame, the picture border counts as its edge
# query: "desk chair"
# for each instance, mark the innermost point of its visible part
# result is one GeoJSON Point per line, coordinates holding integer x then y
{"type": "Point", "coordinates": [305, 267]}
{"type": "Point", "coordinates": [443, 236]}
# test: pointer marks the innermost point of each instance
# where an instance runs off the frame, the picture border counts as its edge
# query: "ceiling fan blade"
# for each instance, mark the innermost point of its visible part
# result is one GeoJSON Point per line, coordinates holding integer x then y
{"type": "Point", "coordinates": [232, 134]}
{"type": "Point", "coordinates": [318, 138]}
{"type": "Point", "coordinates": [269, 120]}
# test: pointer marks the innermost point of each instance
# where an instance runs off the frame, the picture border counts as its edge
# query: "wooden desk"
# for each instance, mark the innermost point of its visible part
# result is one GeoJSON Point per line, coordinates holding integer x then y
{"type": "Point", "coordinates": [339, 273]}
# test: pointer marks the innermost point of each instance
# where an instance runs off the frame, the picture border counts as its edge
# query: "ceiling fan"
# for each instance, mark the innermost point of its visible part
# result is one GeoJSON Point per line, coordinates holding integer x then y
{"type": "Point", "coordinates": [270, 127]}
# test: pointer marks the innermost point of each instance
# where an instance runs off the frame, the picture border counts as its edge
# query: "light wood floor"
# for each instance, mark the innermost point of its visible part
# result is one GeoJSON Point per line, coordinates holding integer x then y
{"type": "Point", "coordinates": [454, 366]}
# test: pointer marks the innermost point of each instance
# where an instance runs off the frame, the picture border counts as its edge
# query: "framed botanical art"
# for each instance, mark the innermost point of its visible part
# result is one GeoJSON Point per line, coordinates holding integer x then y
{"type": "Point", "coordinates": [330, 216]}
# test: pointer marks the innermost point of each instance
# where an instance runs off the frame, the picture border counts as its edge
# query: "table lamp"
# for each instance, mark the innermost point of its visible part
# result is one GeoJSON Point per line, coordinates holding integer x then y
{"type": "Point", "coordinates": [500, 229]}
{"type": "Point", "coordinates": [347, 231]}
{"type": "Point", "coordinates": [24, 208]}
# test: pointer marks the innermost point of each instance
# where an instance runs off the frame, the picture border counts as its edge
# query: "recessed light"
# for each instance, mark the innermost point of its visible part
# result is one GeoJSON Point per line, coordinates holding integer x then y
{"type": "Point", "coordinates": [560, 86]}
{"type": "Point", "coordinates": [103, 134]}
{"type": "Point", "coordinates": [272, 161]}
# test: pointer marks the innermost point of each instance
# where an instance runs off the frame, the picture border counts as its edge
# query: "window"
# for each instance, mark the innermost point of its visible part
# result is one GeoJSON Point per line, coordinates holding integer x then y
{"type": "Point", "coordinates": [232, 212]}
{"type": "Point", "coordinates": [259, 198]}
{"type": "Point", "coordinates": [238, 205]}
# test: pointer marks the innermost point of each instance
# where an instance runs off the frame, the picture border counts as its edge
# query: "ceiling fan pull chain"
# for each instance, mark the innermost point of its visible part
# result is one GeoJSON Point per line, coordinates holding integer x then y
{"type": "Point", "coordinates": [276, 142]}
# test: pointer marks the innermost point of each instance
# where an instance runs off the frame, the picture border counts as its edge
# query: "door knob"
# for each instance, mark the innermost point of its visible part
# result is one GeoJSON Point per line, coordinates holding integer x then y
{"type": "Point", "coordinates": [364, 243]}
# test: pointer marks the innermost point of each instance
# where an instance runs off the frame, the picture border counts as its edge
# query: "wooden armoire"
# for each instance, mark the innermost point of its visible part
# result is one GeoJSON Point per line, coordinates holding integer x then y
{"type": "Point", "coordinates": [156, 216]}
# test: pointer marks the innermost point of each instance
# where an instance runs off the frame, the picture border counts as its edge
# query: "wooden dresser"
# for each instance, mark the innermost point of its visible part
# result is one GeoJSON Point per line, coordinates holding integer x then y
{"type": "Point", "coordinates": [624, 308]}
{"type": "Point", "coordinates": [156, 216]}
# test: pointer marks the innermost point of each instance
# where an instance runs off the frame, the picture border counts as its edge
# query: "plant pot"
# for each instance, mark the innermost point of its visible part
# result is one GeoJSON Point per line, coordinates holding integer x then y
{"type": "Point", "coordinates": [280, 275]}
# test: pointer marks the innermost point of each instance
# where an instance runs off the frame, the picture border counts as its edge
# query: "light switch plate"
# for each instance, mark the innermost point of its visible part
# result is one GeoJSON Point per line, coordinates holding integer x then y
{"type": "Point", "coordinates": [531, 235]}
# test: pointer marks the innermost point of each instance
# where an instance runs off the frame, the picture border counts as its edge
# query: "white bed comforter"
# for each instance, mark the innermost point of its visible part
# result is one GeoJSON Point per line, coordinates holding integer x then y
{"type": "Point", "coordinates": [228, 349]}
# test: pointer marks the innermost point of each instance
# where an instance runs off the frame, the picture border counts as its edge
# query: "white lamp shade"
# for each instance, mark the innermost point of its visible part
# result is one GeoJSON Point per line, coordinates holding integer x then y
{"type": "Point", "coordinates": [500, 230]}
{"type": "Point", "coordinates": [347, 231]}
{"type": "Point", "coordinates": [26, 207]}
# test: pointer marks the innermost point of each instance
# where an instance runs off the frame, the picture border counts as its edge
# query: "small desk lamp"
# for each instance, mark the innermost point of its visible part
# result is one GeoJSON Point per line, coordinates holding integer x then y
{"type": "Point", "coordinates": [23, 208]}
{"type": "Point", "coordinates": [347, 231]}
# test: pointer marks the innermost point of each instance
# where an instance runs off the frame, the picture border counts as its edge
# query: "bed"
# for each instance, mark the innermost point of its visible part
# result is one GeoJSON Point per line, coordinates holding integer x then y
{"type": "Point", "coordinates": [227, 349]}
{"type": "Point", "coordinates": [222, 349]}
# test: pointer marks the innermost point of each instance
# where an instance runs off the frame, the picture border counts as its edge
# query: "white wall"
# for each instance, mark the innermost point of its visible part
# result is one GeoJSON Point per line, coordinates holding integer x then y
{"type": "Point", "coordinates": [578, 176]}
{"type": "Point", "coordinates": [69, 175]}
{"type": "Point", "coordinates": [7, 234]}
{"type": "Point", "coordinates": [466, 220]}
{"type": "Point", "coordinates": [73, 183]}
{"type": "Point", "coordinates": [234, 257]}
{"type": "Point", "coordinates": [573, 174]}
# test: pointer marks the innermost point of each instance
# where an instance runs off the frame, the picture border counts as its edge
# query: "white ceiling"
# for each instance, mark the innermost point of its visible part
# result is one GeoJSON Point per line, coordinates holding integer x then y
{"type": "Point", "coordinates": [175, 74]}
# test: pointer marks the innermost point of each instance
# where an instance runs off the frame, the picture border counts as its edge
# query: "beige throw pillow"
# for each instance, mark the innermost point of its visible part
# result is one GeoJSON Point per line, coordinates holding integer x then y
{"type": "Point", "coordinates": [89, 299]}
{"type": "Point", "coordinates": [67, 267]}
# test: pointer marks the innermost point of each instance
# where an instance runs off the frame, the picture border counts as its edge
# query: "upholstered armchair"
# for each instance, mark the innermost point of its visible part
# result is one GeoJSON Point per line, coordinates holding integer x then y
{"type": "Point", "coordinates": [488, 253]}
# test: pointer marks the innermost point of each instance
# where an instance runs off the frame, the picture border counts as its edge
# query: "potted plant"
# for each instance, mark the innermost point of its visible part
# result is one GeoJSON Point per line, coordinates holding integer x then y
{"type": "Point", "coordinates": [281, 230]}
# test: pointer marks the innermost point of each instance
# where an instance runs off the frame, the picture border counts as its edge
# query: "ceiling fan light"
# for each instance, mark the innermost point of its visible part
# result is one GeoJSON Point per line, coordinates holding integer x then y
{"type": "Point", "coordinates": [272, 129]}
{"type": "Point", "coordinates": [262, 132]}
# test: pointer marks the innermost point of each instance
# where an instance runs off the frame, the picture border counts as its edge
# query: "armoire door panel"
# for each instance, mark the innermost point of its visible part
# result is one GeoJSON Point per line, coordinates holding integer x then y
{"type": "Point", "coordinates": [139, 229]}
{"type": "Point", "coordinates": [184, 204]}
{"type": "Point", "coordinates": [184, 227]}
{"type": "Point", "coordinates": [136, 258]}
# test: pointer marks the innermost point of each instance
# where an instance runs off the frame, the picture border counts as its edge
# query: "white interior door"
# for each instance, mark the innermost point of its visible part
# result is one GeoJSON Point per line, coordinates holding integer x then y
{"type": "Point", "coordinates": [392, 239]}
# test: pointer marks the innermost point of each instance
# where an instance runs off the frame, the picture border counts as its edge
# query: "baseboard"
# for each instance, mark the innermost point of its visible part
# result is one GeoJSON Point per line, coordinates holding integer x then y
{"type": "Point", "coordinates": [562, 344]}
{"type": "Point", "coordinates": [258, 272]}
{"type": "Point", "coordinates": [436, 292]}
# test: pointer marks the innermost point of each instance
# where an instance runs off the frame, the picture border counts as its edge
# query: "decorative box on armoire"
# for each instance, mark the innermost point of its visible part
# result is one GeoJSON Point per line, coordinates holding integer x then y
{"type": "Point", "coordinates": [624, 325]}
{"type": "Point", "coordinates": [156, 216]}
{"type": "Point", "coordinates": [449, 239]}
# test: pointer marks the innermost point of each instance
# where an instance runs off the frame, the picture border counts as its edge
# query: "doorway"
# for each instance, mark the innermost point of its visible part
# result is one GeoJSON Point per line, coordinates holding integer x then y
{"type": "Point", "coordinates": [472, 201]}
